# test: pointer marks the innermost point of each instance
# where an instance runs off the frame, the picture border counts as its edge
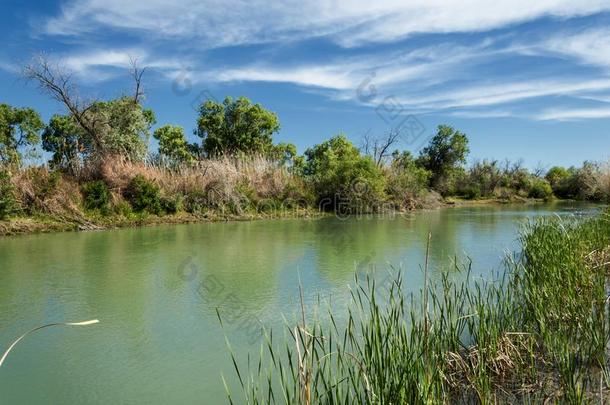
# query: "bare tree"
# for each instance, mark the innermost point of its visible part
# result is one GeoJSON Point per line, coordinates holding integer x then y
{"type": "Point", "coordinates": [58, 83]}
{"type": "Point", "coordinates": [137, 73]}
{"type": "Point", "coordinates": [379, 148]}
{"type": "Point", "coordinates": [540, 170]}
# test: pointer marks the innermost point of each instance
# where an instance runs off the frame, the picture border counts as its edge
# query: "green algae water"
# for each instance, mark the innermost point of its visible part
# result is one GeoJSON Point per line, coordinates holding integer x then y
{"type": "Point", "coordinates": [158, 291]}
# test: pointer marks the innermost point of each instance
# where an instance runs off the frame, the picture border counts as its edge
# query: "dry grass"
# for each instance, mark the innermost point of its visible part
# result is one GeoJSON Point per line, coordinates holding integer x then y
{"type": "Point", "coordinates": [224, 175]}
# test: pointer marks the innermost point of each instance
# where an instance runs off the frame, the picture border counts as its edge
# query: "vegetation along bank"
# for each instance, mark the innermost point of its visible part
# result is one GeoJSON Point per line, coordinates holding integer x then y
{"type": "Point", "coordinates": [92, 168]}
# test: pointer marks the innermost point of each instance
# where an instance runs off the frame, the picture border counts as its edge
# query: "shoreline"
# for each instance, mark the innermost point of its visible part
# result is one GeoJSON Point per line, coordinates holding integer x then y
{"type": "Point", "coordinates": [19, 226]}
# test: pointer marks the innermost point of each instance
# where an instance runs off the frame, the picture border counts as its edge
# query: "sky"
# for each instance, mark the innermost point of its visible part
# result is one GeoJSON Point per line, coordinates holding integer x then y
{"type": "Point", "coordinates": [523, 79]}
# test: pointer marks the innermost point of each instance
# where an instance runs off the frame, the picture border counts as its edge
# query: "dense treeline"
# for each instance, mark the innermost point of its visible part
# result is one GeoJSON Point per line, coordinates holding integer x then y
{"type": "Point", "coordinates": [100, 165]}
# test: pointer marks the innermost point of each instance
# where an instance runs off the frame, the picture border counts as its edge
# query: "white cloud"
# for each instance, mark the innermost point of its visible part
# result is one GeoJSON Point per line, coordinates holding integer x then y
{"type": "Point", "coordinates": [591, 46]}
{"type": "Point", "coordinates": [573, 114]}
{"type": "Point", "coordinates": [487, 95]}
{"type": "Point", "coordinates": [214, 23]}
{"type": "Point", "coordinates": [101, 65]}
{"type": "Point", "coordinates": [9, 67]}
{"type": "Point", "coordinates": [433, 78]}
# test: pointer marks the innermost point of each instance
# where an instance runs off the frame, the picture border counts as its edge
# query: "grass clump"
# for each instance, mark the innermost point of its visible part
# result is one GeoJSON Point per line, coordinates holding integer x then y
{"type": "Point", "coordinates": [538, 333]}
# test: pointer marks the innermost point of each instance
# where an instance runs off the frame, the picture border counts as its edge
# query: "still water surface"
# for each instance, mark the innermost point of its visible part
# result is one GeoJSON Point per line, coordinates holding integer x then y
{"type": "Point", "coordinates": [156, 291]}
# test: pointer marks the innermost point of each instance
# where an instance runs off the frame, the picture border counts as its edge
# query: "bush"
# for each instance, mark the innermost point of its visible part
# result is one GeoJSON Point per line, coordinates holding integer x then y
{"type": "Point", "coordinates": [171, 205]}
{"type": "Point", "coordinates": [96, 196]}
{"type": "Point", "coordinates": [8, 202]}
{"type": "Point", "coordinates": [540, 188]}
{"type": "Point", "coordinates": [342, 178]}
{"type": "Point", "coordinates": [406, 182]}
{"type": "Point", "coordinates": [143, 195]}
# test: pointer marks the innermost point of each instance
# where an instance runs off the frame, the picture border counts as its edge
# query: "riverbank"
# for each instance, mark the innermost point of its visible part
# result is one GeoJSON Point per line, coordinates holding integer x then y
{"type": "Point", "coordinates": [49, 223]}
{"type": "Point", "coordinates": [537, 333]}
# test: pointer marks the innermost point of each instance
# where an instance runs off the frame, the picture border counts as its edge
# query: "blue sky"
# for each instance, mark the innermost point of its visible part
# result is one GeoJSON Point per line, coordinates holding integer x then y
{"type": "Point", "coordinates": [522, 79]}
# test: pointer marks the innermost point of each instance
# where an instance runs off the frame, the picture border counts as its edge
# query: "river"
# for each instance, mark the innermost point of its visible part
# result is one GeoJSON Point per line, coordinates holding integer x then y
{"type": "Point", "coordinates": [156, 292]}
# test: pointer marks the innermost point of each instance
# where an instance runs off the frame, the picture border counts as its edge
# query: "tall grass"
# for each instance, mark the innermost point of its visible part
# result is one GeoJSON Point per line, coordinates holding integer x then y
{"type": "Point", "coordinates": [538, 333]}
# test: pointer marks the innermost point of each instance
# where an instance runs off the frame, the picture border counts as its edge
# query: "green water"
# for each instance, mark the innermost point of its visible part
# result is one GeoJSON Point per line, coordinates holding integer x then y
{"type": "Point", "coordinates": [156, 291]}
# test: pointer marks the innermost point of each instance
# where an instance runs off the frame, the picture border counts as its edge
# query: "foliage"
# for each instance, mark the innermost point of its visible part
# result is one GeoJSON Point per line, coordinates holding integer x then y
{"type": "Point", "coordinates": [445, 153]}
{"type": "Point", "coordinates": [171, 205]}
{"type": "Point", "coordinates": [8, 201]}
{"type": "Point", "coordinates": [556, 176]}
{"type": "Point", "coordinates": [19, 128]}
{"type": "Point", "coordinates": [123, 129]}
{"type": "Point", "coordinates": [65, 140]}
{"type": "Point", "coordinates": [576, 183]}
{"type": "Point", "coordinates": [341, 177]}
{"type": "Point", "coordinates": [96, 195]}
{"type": "Point", "coordinates": [282, 152]}
{"type": "Point", "coordinates": [173, 144]}
{"type": "Point", "coordinates": [236, 126]}
{"type": "Point", "coordinates": [143, 195]}
{"type": "Point", "coordinates": [407, 182]}
{"type": "Point", "coordinates": [540, 188]}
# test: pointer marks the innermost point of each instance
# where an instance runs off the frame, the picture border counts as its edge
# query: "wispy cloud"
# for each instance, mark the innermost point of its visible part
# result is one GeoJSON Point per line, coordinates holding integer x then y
{"type": "Point", "coordinates": [9, 67]}
{"type": "Point", "coordinates": [490, 74]}
{"type": "Point", "coordinates": [215, 23]}
{"type": "Point", "coordinates": [573, 114]}
{"type": "Point", "coordinates": [101, 65]}
{"type": "Point", "coordinates": [591, 46]}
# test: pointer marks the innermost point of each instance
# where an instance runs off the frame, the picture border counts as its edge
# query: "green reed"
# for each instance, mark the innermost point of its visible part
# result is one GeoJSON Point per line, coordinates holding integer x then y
{"type": "Point", "coordinates": [538, 332]}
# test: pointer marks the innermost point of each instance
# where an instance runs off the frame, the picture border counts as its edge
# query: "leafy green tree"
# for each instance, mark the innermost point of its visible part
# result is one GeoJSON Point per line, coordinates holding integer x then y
{"type": "Point", "coordinates": [236, 126]}
{"type": "Point", "coordinates": [65, 140]}
{"type": "Point", "coordinates": [556, 175]}
{"type": "Point", "coordinates": [406, 180]}
{"type": "Point", "coordinates": [445, 153]}
{"type": "Point", "coordinates": [122, 128]}
{"type": "Point", "coordinates": [173, 144]}
{"type": "Point", "coordinates": [283, 152]}
{"type": "Point", "coordinates": [118, 127]}
{"type": "Point", "coordinates": [19, 128]}
{"type": "Point", "coordinates": [340, 175]}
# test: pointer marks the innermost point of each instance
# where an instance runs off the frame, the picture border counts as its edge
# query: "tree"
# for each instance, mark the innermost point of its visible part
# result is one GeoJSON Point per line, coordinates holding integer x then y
{"type": "Point", "coordinates": [379, 147]}
{"type": "Point", "coordinates": [19, 128]}
{"type": "Point", "coordinates": [445, 153]}
{"type": "Point", "coordinates": [173, 144]}
{"type": "Point", "coordinates": [342, 177]}
{"type": "Point", "coordinates": [556, 175]}
{"type": "Point", "coordinates": [236, 126]}
{"type": "Point", "coordinates": [406, 180]}
{"type": "Point", "coordinates": [115, 127]}
{"type": "Point", "coordinates": [123, 127]}
{"type": "Point", "coordinates": [283, 152]}
{"type": "Point", "coordinates": [65, 140]}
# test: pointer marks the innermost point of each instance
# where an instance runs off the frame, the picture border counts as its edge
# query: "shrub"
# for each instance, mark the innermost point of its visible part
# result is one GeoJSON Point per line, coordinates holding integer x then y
{"type": "Point", "coordinates": [122, 207]}
{"type": "Point", "coordinates": [96, 195]}
{"type": "Point", "coordinates": [143, 195]}
{"type": "Point", "coordinates": [342, 178]}
{"type": "Point", "coordinates": [406, 182]}
{"type": "Point", "coordinates": [8, 202]}
{"type": "Point", "coordinates": [540, 188]}
{"type": "Point", "coordinates": [171, 205]}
